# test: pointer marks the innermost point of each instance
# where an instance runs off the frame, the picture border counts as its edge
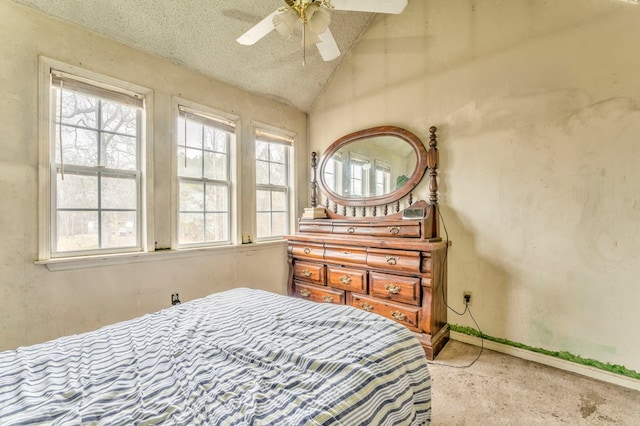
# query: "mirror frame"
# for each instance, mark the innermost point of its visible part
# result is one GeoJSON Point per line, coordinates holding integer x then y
{"type": "Point", "coordinates": [421, 167]}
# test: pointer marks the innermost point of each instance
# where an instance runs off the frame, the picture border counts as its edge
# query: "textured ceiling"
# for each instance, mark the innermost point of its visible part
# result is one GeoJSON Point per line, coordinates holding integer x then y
{"type": "Point", "coordinates": [201, 34]}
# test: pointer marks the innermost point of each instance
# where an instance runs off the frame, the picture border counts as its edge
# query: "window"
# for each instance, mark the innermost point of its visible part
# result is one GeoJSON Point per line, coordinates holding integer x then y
{"type": "Point", "coordinates": [204, 177]}
{"type": "Point", "coordinates": [95, 160]}
{"type": "Point", "coordinates": [273, 168]}
{"type": "Point", "coordinates": [333, 173]}
{"type": "Point", "coordinates": [383, 179]}
{"type": "Point", "coordinates": [359, 169]}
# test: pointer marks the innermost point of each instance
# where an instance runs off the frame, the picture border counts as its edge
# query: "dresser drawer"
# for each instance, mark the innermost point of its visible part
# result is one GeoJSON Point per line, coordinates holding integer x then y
{"type": "Point", "coordinates": [315, 227]}
{"type": "Point", "coordinates": [345, 254]}
{"type": "Point", "coordinates": [350, 228]}
{"type": "Point", "coordinates": [307, 271]}
{"type": "Point", "coordinates": [347, 279]}
{"type": "Point", "coordinates": [409, 316]}
{"type": "Point", "coordinates": [319, 293]}
{"type": "Point", "coordinates": [307, 250]}
{"type": "Point", "coordinates": [400, 229]}
{"type": "Point", "coordinates": [395, 287]}
{"type": "Point", "coordinates": [398, 260]}
{"type": "Point", "coordinates": [404, 229]}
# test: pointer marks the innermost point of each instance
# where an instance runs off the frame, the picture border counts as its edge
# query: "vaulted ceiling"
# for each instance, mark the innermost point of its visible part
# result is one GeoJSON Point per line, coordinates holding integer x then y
{"type": "Point", "coordinates": [201, 35]}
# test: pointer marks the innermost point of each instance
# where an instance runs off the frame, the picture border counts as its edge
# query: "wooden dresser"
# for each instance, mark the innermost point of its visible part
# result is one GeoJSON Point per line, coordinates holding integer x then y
{"type": "Point", "coordinates": [385, 266]}
{"type": "Point", "coordinates": [393, 264]}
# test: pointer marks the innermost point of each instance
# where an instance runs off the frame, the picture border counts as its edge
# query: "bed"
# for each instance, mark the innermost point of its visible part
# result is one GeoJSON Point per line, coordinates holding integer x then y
{"type": "Point", "coordinates": [239, 357]}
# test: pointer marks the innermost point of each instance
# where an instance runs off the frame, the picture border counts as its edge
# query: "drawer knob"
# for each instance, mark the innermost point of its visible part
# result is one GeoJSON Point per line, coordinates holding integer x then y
{"type": "Point", "coordinates": [347, 252]}
{"type": "Point", "coordinates": [366, 307]}
{"type": "Point", "coordinates": [391, 260]}
{"type": "Point", "coordinates": [305, 293]}
{"type": "Point", "coordinates": [345, 279]}
{"type": "Point", "coordinates": [306, 273]}
{"type": "Point", "coordinates": [399, 316]}
{"type": "Point", "coordinates": [392, 288]}
{"type": "Point", "coordinates": [394, 230]}
{"type": "Point", "coordinates": [327, 299]}
{"type": "Point", "coordinates": [307, 250]}
{"type": "Point", "coordinates": [351, 230]}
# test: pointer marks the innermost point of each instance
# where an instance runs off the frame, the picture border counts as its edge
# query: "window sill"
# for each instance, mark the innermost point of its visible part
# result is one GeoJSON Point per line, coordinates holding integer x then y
{"type": "Point", "coordinates": [82, 262]}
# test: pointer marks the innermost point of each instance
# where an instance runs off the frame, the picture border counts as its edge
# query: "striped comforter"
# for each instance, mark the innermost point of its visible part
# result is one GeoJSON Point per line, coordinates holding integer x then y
{"type": "Point", "coordinates": [240, 357]}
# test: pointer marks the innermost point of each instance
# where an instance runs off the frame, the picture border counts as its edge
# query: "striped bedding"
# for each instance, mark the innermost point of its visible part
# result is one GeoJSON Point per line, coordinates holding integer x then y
{"type": "Point", "coordinates": [240, 357]}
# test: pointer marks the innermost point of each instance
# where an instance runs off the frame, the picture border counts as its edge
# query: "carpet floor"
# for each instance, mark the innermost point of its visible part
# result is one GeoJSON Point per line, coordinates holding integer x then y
{"type": "Point", "coordinates": [500, 389]}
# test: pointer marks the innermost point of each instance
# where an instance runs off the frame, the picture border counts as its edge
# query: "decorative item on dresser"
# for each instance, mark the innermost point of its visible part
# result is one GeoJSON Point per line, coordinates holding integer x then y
{"type": "Point", "coordinates": [390, 263]}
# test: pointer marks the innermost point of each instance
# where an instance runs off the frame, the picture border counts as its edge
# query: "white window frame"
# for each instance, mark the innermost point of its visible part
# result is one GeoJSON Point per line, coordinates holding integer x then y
{"type": "Point", "coordinates": [384, 168]}
{"type": "Point", "coordinates": [286, 138]}
{"type": "Point", "coordinates": [364, 164]}
{"type": "Point", "coordinates": [180, 105]}
{"type": "Point", "coordinates": [46, 183]}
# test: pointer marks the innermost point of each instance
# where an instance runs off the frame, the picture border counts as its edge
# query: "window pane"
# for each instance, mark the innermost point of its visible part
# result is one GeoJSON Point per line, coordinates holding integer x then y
{"type": "Point", "coordinates": [278, 174]}
{"type": "Point", "coordinates": [80, 147]}
{"type": "Point", "coordinates": [215, 140]}
{"type": "Point", "coordinates": [119, 229]}
{"type": "Point", "coordinates": [191, 228]}
{"type": "Point", "coordinates": [277, 153]}
{"type": "Point", "coordinates": [217, 227]}
{"type": "Point", "coordinates": [119, 118]}
{"type": "Point", "coordinates": [215, 166]}
{"type": "Point", "coordinates": [217, 198]}
{"type": "Point", "coordinates": [262, 172]}
{"type": "Point", "coordinates": [192, 196]}
{"type": "Point", "coordinates": [279, 201]}
{"type": "Point", "coordinates": [194, 163]}
{"type": "Point", "coordinates": [263, 201]}
{"type": "Point", "coordinates": [279, 224]}
{"type": "Point", "coordinates": [330, 181]}
{"type": "Point", "coordinates": [262, 151]}
{"type": "Point", "coordinates": [77, 109]}
{"type": "Point", "coordinates": [119, 193]}
{"type": "Point", "coordinates": [77, 191]}
{"type": "Point", "coordinates": [194, 134]}
{"type": "Point", "coordinates": [77, 230]}
{"type": "Point", "coordinates": [119, 152]}
{"type": "Point", "coordinates": [263, 224]}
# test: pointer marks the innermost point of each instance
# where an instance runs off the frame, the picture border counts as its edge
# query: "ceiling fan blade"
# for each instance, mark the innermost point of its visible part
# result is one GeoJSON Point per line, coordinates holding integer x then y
{"type": "Point", "coordinates": [258, 31]}
{"type": "Point", "coordinates": [328, 47]}
{"type": "Point", "coordinates": [376, 6]}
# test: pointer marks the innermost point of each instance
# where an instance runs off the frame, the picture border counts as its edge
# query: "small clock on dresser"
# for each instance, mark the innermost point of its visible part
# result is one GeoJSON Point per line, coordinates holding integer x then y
{"type": "Point", "coordinates": [368, 244]}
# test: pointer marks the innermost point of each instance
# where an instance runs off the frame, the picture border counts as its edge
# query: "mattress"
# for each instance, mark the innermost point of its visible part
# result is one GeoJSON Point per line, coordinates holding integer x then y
{"type": "Point", "coordinates": [239, 357]}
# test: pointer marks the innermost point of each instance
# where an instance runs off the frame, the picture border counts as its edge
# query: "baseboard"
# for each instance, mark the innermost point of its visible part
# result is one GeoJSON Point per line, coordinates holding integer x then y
{"type": "Point", "coordinates": [585, 370]}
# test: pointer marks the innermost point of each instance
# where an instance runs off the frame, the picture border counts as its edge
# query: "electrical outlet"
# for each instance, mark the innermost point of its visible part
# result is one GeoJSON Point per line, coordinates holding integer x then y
{"type": "Point", "coordinates": [466, 297]}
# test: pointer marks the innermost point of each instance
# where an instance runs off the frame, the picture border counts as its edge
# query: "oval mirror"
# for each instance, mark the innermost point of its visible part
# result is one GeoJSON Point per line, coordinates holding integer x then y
{"type": "Point", "coordinates": [373, 166]}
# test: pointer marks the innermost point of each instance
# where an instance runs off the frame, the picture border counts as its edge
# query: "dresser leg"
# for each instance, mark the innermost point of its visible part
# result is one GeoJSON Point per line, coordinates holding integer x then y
{"type": "Point", "coordinates": [432, 345]}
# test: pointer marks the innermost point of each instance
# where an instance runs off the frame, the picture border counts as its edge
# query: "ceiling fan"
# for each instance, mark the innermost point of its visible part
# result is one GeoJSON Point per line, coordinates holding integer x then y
{"type": "Point", "coordinates": [314, 17]}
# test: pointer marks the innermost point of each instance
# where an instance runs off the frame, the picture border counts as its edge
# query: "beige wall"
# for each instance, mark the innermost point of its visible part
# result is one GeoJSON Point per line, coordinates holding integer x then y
{"type": "Point", "coordinates": [36, 304]}
{"type": "Point", "coordinates": [538, 109]}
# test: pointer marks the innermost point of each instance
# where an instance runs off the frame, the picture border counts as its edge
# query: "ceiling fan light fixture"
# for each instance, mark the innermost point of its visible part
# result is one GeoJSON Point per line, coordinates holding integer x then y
{"type": "Point", "coordinates": [285, 22]}
{"type": "Point", "coordinates": [318, 19]}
